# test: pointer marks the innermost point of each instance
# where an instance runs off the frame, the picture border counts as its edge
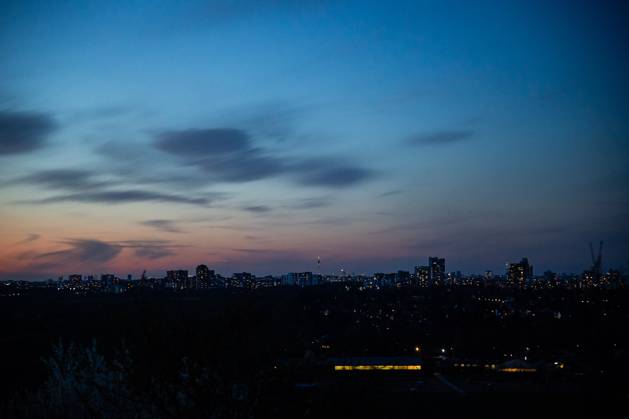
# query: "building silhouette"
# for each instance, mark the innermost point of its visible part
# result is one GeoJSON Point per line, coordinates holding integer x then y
{"type": "Point", "coordinates": [518, 274]}
{"type": "Point", "coordinates": [437, 271]}
{"type": "Point", "coordinates": [178, 278]}
{"type": "Point", "coordinates": [204, 277]}
{"type": "Point", "coordinates": [422, 276]}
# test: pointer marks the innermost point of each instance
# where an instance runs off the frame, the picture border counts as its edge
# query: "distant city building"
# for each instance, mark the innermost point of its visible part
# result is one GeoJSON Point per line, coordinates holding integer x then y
{"type": "Point", "coordinates": [75, 278]}
{"type": "Point", "coordinates": [300, 279]}
{"type": "Point", "coordinates": [305, 279]}
{"type": "Point", "coordinates": [178, 278]}
{"type": "Point", "coordinates": [402, 278]}
{"type": "Point", "coordinates": [437, 270]}
{"type": "Point", "coordinates": [518, 274]}
{"type": "Point", "coordinates": [422, 276]}
{"type": "Point", "coordinates": [265, 282]}
{"type": "Point", "coordinates": [204, 277]}
{"type": "Point", "coordinates": [242, 280]}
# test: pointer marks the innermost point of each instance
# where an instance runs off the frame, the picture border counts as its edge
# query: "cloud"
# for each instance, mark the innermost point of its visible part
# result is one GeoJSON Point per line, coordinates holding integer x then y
{"type": "Point", "coordinates": [274, 121]}
{"type": "Point", "coordinates": [338, 221]}
{"type": "Point", "coordinates": [79, 185]}
{"type": "Point", "coordinates": [153, 252]}
{"type": "Point", "coordinates": [82, 250]}
{"type": "Point", "coordinates": [391, 193]}
{"type": "Point", "coordinates": [245, 166]}
{"type": "Point", "coordinates": [257, 208]}
{"type": "Point", "coordinates": [30, 238]}
{"type": "Point", "coordinates": [229, 155]}
{"type": "Point", "coordinates": [255, 238]}
{"type": "Point", "coordinates": [92, 252]}
{"type": "Point", "coordinates": [121, 197]}
{"type": "Point", "coordinates": [309, 203]}
{"type": "Point", "coordinates": [167, 226]}
{"type": "Point", "coordinates": [203, 142]}
{"type": "Point", "coordinates": [66, 179]}
{"type": "Point", "coordinates": [440, 138]}
{"type": "Point", "coordinates": [332, 175]}
{"type": "Point", "coordinates": [23, 132]}
{"type": "Point", "coordinates": [151, 249]}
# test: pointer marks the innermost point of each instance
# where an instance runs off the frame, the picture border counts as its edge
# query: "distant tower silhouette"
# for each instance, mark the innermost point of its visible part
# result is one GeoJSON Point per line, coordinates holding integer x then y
{"type": "Point", "coordinates": [597, 262]}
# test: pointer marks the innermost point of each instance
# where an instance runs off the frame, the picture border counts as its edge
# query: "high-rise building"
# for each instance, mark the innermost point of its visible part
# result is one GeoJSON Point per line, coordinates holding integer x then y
{"type": "Point", "coordinates": [437, 271]}
{"type": "Point", "coordinates": [242, 280]}
{"type": "Point", "coordinates": [300, 279]}
{"type": "Point", "coordinates": [519, 273]}
{"type": "Point", "coordinates": [107, 279]}
{"type": "Point", "coordinates": [75, 278]}
{"type": "Point", "coordinates": [378, 278]}
{"type": "Point", "coordinates": [402, 278]}
{"type": "Point", "coordinates": [178, 278]}
{"type": "Point", "coordinates": [422, 276]}
{"type": "Point", "coordinates": [304, 279]}
{"type": "Point", "coordinates": [205, 277]}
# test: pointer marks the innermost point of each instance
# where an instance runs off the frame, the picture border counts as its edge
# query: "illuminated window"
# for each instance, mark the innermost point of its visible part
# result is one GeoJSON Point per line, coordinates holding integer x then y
{"type": "Point", "coordinates": [377, 367]}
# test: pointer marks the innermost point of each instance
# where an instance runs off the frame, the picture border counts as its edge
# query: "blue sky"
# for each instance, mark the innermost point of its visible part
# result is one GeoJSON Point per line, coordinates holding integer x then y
{"type": "Point", "coordinates": [260, 135]}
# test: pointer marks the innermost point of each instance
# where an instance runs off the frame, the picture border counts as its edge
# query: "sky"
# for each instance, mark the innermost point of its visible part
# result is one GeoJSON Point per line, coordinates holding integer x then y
{"type": "Point", "coordinates": [260, 135]}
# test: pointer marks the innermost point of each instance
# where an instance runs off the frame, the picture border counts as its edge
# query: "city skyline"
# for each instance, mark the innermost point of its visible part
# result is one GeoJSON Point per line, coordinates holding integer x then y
{"type": "Point", "coordinates": [432, 269]}
{"type": "Point", "coordinates": [157, 136]}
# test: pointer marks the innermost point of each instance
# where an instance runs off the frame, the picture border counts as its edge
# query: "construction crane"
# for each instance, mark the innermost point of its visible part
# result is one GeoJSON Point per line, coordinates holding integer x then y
{"type": "Point", "coordinates": [597, 262]}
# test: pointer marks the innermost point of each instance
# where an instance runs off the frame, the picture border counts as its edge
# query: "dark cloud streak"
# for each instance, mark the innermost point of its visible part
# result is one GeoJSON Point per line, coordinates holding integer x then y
{"type": "Point", "coordinates": [167, 226]}
{"type": "Point", "coordinates": [259, 209]}
{"type": "Point", "coordinates": [122, 197]}
{"type": "Point", "coordinates": [440, 138]}
{"type": "Point", "coordinates": [229, 155]}
{"type": "Point", "coordinates": [65, 179]}
{"type": "Point", "coordinates": [83, 250]}
{"type": "Point", "coordinates": [23, 132]}
{"type": "Point", "coordinates": [150, 249]}
{"type": "Point", "coordinates": [30, 238]}
{"type": "Point", "coordinates": [205, 142]}
{"type": "Point", "coordinates": [332, 175]}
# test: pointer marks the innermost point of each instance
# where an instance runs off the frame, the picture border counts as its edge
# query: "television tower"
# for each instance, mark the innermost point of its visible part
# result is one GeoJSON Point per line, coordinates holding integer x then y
{"type": "Point", "coordinates": [597, 262]}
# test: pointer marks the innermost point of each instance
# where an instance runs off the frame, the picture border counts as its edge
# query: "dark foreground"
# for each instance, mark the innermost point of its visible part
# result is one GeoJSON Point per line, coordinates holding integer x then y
{"type": "Point", "coordinates": [272, 352]}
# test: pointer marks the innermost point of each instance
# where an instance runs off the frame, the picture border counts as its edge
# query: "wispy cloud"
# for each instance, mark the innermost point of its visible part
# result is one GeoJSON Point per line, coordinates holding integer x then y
{"type": "Point", "coordinates": [167, 226]}
{"type": "Point", "coordinates": [81, 185]}
{"type": "Point", "coordinates": [95, 253]}
{"type": "Point", "coordinates": [81, 250]}
{"type": "Point", "coordinates": [151, 249]}
{"type": "Point", "coordinates": [30, 238]}
{"type": "Point", "coordinates": [391, 193]}
{"type": "Point", "coordinates": [23, 132]}
{"type": "Point", "coordinates": [121, 197]}
{"type": "Point", "coordinates": [259, 209]}
{"type": "Point", "coordinates": [440, 138]}
{"type": "Point", "coordinates": [64, 179]}
{"type": "Point", "coordinates": [230, 155]}
{"type": "Point", "coordinates": [326, 172]}
{"type": "Point", "coordinates": [309, 203]}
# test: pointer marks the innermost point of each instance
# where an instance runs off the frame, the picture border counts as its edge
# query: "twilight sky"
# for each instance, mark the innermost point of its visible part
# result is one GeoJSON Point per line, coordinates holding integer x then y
{"type": "Point", "coordinates": [258, 135]}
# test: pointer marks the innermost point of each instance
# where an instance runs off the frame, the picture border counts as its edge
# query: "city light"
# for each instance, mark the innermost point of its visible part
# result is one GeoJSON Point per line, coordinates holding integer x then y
{"type": "Point", "coordinates": [377, 367]}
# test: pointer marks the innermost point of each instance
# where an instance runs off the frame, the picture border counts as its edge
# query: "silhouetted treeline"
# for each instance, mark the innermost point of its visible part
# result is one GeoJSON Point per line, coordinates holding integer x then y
{"type": "Point", "coordinates": [236, 353]}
